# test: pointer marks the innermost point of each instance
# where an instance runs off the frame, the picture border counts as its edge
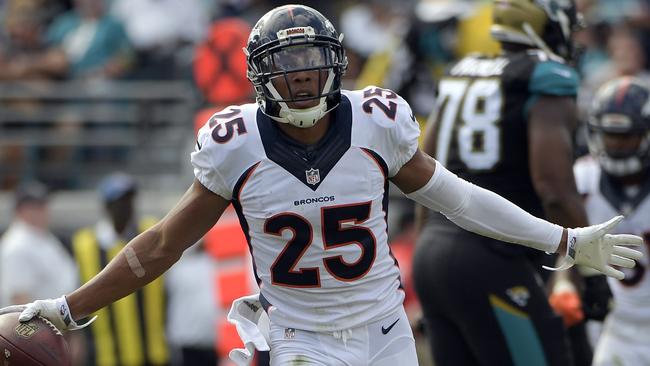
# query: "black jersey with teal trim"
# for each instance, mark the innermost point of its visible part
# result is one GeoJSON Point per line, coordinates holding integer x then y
{"type": "Point", "coordinates": [482, 120]}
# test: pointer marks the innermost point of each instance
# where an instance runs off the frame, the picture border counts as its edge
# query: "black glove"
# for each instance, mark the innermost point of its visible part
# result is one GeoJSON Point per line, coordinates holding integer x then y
{"type": "Point", "coordinates": [597, 297]}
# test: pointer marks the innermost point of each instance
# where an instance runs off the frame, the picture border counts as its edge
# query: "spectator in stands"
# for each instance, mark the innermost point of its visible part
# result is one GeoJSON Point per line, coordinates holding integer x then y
{"type": "Point", "coordinates": [641, 21]}
{"type": "Point", "coordinates": [23, 52]}
{"type": "Point", "coordinates": [24, 56]}
{"type": "Point", "coordinates": [96, 45]}
{"type": "Point", "coordinates": [626, 53]}
{"type": "Point", "coordinates": [163, 33]}
{"type": "Point", "coordinates": [28, 240]}
{"type": "Point", "coordinates": [192, 310]}
{"type": "Point", "coordinates": [626, 58]}
{"type": "Point", "coordinates": [130, 332]}
{"type": "Point", "coordinates": [633, 13]}
{"type": "Point", "coordinates": [370, 27]}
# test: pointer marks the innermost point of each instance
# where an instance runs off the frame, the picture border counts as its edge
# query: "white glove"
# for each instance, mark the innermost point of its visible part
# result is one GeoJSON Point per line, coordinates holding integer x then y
{"type": "Point", "coordinates": [54, 310]}
{"type": "Point", "coordinates": [591, 246]}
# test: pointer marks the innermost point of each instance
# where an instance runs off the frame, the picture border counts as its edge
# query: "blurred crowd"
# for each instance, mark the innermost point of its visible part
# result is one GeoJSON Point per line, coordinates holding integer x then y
{"type": "Point", "coordinates": [403, 46]}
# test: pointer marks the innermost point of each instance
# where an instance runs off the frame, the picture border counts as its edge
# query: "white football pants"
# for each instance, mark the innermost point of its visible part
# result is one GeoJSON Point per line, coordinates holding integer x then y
{"type": "Point", "coordinates": [386, 342]}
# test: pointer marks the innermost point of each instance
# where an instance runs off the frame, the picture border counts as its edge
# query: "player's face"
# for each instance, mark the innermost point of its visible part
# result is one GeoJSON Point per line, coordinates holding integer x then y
{"type": "Point", "coordinates": [304, 86]}
{"type": "Point", "coordinates": [121, 210]}
{"type": "Point", "coordinates": [37, 214]}
{"type": "Point", "coordinates": [621, 145]}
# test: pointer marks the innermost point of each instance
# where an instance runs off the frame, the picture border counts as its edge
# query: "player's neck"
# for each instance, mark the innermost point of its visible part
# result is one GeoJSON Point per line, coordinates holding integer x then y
{"type": "Point", "coordinates": [307, 136]}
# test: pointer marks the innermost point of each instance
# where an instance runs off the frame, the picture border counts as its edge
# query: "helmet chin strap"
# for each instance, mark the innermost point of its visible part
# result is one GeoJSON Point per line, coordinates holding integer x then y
{"type": "Point", "coordinates": [303, 117]}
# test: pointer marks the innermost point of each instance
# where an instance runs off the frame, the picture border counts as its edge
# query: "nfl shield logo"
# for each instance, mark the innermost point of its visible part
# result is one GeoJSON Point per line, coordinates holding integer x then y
{"type": "Point", "coordinates": [313, 177]}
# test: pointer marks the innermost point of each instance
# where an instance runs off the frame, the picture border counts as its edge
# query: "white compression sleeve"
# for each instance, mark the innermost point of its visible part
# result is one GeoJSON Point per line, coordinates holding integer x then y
{"type": "Point", "coordinates": [484, 212]}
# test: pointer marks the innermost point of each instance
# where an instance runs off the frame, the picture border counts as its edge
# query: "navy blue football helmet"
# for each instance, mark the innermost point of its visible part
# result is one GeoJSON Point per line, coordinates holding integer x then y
{"type": "Point", "coordinates": [295, 38]}
{"type": "Point", "coordinates": [621, 107]}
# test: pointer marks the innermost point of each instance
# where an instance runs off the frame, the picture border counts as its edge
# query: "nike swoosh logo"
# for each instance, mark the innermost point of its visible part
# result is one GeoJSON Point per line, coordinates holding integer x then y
{"type": "Point", "coordinates": [385, 331]}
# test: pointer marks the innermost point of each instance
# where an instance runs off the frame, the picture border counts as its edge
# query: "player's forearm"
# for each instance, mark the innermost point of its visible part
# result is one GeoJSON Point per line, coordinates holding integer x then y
{"type": "Point", "coordinates": [486, 213]}
{"type": "Point", "coordinates": [151, 253]}
{"type": "Point", "coordinates": [143, 260]}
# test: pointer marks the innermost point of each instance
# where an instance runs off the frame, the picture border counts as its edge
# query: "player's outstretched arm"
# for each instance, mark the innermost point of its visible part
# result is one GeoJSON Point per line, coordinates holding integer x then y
{"type": "Point", "coordinates": [141, 261]}
{"type": "Point", "coordinates": [486, 213]}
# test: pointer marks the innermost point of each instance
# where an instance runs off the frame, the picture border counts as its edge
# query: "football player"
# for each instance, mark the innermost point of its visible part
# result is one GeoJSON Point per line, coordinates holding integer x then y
{"type": "Point", "coordinates": [504, 122]}
{"type": "Point", "coordinates": [307, 170]}
{"type": "Point", "coordinates": [616, 179]}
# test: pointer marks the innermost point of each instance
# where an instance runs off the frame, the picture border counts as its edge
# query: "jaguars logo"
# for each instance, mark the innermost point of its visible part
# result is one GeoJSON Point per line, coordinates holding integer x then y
{"type": "Point", "coordinates": [519, 295]}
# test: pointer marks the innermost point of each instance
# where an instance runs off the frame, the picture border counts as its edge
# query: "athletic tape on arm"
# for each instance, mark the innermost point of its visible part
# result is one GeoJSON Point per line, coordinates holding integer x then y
{"type": "Point", "coordinates": [133, 262]}
{"type": "Point", "coordinates": [484, 212]}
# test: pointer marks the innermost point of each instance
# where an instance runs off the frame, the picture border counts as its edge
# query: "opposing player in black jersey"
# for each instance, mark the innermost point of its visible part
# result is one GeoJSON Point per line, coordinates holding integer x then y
{"type": "Point", "coordinates": [504, 123]}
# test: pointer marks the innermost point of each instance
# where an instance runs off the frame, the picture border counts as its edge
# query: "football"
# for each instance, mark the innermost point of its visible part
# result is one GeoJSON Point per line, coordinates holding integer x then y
{"type": "Point", "coordinates": [34, 343]}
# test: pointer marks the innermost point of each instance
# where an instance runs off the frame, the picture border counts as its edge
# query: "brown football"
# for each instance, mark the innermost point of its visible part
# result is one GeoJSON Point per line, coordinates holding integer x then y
{"type": "Point", "coordinates": [34, 343]}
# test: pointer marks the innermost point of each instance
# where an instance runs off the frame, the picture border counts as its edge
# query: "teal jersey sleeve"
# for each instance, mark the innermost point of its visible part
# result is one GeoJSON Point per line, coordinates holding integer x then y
{"type": "Point", "coordinates": [551, 78]}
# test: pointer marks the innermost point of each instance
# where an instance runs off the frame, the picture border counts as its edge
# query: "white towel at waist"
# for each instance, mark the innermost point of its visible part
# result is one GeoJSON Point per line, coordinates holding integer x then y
{"type": "Point", "coordinates": [252, 324]}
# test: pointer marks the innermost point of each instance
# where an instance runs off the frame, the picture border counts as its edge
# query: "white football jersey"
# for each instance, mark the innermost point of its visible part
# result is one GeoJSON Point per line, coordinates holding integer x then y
{"type": "Point", "coordinates": [315, 216]}
{"type": "Point", "coordinates": [603, 200]}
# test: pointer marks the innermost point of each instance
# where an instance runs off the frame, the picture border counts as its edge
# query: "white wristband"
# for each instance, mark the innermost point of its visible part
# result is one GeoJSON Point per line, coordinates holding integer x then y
{"type": "Point", "coordinates": [569, 258]}
{"type": "Point", "coordinates": [66, 315]}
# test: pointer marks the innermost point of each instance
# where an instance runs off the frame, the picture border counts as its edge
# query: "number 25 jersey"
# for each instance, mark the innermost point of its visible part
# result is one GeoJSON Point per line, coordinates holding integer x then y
{"type": "Point", "coordinates": [315, 217]}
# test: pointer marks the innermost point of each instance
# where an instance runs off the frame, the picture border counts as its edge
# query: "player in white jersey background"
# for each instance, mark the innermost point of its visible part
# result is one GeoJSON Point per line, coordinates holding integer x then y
{"type": "Point", "coordinates": [616, 180]}
{"type": "Point", "coordinates": [307, 170]}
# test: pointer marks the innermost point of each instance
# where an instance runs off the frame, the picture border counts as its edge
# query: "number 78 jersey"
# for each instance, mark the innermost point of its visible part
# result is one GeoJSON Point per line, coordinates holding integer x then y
{"type": "Point", "coordinates": [481, 125]}
{"type": "Point", "coordinates": [315, 217]}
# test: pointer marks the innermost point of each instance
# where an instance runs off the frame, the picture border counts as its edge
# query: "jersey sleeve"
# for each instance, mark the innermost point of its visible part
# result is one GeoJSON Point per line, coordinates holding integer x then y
{"type": "Point", "coordinates": [206, 159]}
{"type": "Point", "coordinates": [553, 78]}
{"type": "Point", "coordinates": [405, 137]}
{"type": "Point", "coordinates": [384, 124]}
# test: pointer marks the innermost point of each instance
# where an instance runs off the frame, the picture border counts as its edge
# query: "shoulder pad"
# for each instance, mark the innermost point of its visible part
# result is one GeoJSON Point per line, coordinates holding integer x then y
{"type": "Point", "coordinates": [384, 123]}
{"type": "Point", "coordinates": [223, 146]}
{"type": "Point", "coordinates": [587, 174]}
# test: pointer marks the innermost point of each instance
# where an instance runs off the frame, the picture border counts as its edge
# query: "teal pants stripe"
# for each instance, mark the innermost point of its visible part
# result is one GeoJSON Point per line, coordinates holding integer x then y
{"type": "Point", "coordinates": [521, 336]}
